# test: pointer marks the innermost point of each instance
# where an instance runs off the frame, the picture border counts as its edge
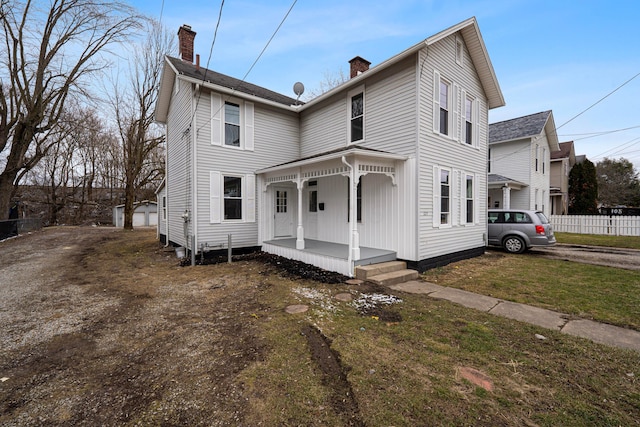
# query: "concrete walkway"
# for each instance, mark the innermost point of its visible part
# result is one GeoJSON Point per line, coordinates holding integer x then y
{"type": "Point", "coordinates": [598, 332]}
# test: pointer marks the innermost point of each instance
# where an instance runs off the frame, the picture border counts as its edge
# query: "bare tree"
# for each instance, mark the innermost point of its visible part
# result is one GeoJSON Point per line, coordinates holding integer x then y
{"type": "Point", "coordinates": [49, 50]}
{"type": "Point", "coordinates": [134, 109]}
{"type": "Point", "coordinates": [330, 80]}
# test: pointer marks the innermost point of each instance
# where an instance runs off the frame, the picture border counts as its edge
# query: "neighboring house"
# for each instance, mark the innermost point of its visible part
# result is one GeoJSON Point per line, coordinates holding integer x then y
{"type": "Point", "coordinates": [561, 163]}
{"type": "Point", "coordinates": [519, 162]}
{"type": "Point", "coordinates": [390, 164]}
{"type": "Point", "coordinates": [145, 214]}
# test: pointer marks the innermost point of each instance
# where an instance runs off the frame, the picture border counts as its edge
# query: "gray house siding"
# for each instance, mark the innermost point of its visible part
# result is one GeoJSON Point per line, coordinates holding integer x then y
{"type": "Point", "coordinates": [179, 167]}
{"type": "Point", "coordinates": [438, 151]}
{"type": "Point", "coordinates": [275, 141]}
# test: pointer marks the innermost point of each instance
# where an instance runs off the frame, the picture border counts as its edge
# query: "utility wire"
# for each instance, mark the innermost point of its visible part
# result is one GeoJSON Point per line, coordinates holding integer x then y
{"type": "Point", "coordinates": [234, 90]}
{"type": "Point", "coordinates": [597, 102]}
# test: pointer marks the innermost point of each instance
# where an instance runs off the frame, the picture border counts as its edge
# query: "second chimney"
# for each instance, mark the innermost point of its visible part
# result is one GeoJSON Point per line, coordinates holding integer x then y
{"type": "Point", "coordinates": [185, 41]}
{"type": "Point", "coordinates": [358, 66]}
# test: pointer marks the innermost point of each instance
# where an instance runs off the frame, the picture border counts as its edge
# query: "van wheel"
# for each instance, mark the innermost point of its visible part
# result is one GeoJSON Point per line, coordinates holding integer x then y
{"type": "Point", "coordinates": [514, 245]}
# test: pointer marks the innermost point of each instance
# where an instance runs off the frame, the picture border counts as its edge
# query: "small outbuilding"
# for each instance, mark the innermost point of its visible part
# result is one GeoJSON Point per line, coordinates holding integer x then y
{"type": "Point", "coordinates": [145, 214]}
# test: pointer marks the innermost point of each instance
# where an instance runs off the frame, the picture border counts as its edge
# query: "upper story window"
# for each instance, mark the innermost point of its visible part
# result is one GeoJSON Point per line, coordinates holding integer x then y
{"type": "Point", "coordinates": [445, 94]}
{"type": "Point", "coordinates": [537, 157]}
{"type": "Point", "coordinates": [231, 124]}
{"type": "Point", "coordinates": [442, 102]}
{"type": "Point", "coordinates": [459, 52]}
{"type": "Point", "coordinates": [468, 121]}
{"type": "Point", "coordinates": [356, 115]}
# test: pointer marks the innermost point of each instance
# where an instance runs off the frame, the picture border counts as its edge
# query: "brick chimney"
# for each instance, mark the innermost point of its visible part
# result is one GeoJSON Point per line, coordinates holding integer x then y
{"type": "Point", "coordinates": [185, 40]}
{"type": "Point", "coordinates": [358, 66]}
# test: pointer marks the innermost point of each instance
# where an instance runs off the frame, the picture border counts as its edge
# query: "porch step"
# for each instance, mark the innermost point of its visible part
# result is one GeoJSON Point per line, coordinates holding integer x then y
{"type": "Point", "coordinates": [386, 273]}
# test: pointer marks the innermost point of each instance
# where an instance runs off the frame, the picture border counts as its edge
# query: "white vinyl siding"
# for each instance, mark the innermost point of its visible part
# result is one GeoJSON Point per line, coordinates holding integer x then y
{"type": "Point", "coordinates": [439, 151]}
{"type": "Point", "coordinates": [390, 120]}
{"type": "Point", "coordinates": [275, 136]}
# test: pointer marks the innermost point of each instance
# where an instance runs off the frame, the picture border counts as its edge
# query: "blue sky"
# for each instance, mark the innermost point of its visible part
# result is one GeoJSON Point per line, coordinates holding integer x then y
{"type": "Point", "coordinates": [557, 55]}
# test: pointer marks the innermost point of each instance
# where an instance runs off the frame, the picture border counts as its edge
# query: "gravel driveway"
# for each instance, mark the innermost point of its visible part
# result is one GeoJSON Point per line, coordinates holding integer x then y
{"type": "Point", "coordinates": [97, 331]}
{"type": "Point", "coordinates": [611, 257]}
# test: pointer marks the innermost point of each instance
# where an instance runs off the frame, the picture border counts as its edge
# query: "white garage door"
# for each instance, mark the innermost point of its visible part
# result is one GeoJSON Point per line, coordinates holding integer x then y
{"type": "Point", "coordinates": [138, 219]}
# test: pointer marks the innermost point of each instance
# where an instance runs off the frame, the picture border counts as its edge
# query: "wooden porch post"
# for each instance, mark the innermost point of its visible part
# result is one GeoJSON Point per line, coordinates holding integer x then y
{"type": "Point", "coordinates": [506, 197]}
{"type": "Point", "coordinates": [353, 212]}
{"type": "Point", "coordinates": [300, 229]}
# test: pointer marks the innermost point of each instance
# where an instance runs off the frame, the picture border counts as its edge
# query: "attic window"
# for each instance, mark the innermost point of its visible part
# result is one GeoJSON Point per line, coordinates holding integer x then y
{"type": "Point", "coordinates": [459, 52]}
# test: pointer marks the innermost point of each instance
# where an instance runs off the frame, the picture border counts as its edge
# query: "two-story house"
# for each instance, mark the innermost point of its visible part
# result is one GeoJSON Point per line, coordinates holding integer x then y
{"type": "Point", "coordinates": [561, 163]}
{"type": "Point", "coordinates": [519, 162]}
{"type": "Point", "coordinates": [390, 164]}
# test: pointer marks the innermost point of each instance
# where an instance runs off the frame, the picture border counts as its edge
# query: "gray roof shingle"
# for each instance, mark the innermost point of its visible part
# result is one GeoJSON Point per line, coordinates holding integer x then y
{"type": "Point", "coordinates": [521, 127]}
{"type": "Point", "coordinates": [190, 70]}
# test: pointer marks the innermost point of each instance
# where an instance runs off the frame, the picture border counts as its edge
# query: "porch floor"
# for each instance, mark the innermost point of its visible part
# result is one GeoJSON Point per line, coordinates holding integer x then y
{"type": "Point", "coordinates": [337, 250]}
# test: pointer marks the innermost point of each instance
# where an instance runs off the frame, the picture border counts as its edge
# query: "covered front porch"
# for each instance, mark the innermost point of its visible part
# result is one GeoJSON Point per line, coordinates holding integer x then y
{"type": "Point", "coordinates": [499, 189]}
{"type": "Point", "coordinates": [327, 255]}
{"type": "Point", "coordinates": [332, 210]}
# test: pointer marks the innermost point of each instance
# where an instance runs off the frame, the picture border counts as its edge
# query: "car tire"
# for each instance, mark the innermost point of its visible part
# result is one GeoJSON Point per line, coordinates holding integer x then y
{"type": "Point", "coordinates": [514, 244]}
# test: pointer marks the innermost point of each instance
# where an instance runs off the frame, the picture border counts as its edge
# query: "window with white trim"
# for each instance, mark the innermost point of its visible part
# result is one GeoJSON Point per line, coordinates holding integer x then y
{"type": "Point", "coordinates": [356, 115]}
{"type": "Point", "coordinates": [537, 154]}
{"type": "Point", "coordinates": [232, 122]}
{"type": "Point", "coordinates": [445, 197]}
{"type": "Point", "coordinates": [232, 197]}
{"type": "Point", "coordinates": [443, 118]}
{"type": "Point", "coordinates": [469, 199]}
{"type": "Point", "coordinates": [468, 121]}
{"type": "Point", "coordinates": [445, 98]}
{"type": "Point", "coordinates": [164, 208]}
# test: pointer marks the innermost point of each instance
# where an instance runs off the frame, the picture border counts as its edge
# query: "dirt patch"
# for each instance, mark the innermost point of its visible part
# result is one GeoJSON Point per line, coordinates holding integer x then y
{"type": "Point", "coordinates": [334, 376]}
{"type": "Point", "coordinates": [287, 267]}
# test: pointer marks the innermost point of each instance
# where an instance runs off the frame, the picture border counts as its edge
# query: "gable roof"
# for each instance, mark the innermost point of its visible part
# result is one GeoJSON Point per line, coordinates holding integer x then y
{"type": "Point", "coordinates": [201, 75]}
{"type": "Point", "coordinates": [210, 76]}
{"type": "Point", "coordinates": [566, 148]}
{"type": "Point", "coordinates": [468, 29]}
{"type": "Point", "coordinates": [529, 126]}
{"type": "Point", "coordinates": [475, 44]}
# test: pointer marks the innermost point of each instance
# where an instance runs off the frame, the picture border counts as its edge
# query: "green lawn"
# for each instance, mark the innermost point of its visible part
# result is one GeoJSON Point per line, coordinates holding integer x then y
{"type": "Point", "coordinates": [604, 294]}
{"type": "Point", "coordinates": [628, 242]}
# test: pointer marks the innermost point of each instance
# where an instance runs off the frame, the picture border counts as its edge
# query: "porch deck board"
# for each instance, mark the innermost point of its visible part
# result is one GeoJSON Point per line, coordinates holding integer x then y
{"type": "Point", "coordinates": [337, 250]}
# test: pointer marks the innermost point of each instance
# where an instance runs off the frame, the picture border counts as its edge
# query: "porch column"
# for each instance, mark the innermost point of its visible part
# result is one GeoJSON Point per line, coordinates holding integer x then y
{"type": "Point", "coordinates": [300, 229]}
{"type": "Point", "coordinates": [353, 213]}
{"type": "Point", "coordinates": [506, 197]}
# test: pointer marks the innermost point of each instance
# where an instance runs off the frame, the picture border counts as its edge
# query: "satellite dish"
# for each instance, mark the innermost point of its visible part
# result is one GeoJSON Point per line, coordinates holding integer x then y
{"type": "Point", "coordinates": [298, 89]}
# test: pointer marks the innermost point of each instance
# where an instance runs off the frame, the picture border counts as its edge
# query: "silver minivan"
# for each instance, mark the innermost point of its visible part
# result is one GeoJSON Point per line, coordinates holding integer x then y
{"type": "Point", "coordinates": [517, 230]}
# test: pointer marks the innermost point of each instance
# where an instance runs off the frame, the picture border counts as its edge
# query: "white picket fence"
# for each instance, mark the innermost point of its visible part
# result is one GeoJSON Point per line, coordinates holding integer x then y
{"type": "Point", "coordinates": [597, 224]}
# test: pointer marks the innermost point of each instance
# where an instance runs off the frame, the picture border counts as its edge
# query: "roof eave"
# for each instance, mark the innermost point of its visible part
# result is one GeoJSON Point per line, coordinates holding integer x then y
{"type": "Point", "coordinates": [164, 94]}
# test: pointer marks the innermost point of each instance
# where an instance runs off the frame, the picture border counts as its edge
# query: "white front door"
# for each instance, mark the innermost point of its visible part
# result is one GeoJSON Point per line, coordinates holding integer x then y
{"type": "Point", "coordinates": [283, 226]}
